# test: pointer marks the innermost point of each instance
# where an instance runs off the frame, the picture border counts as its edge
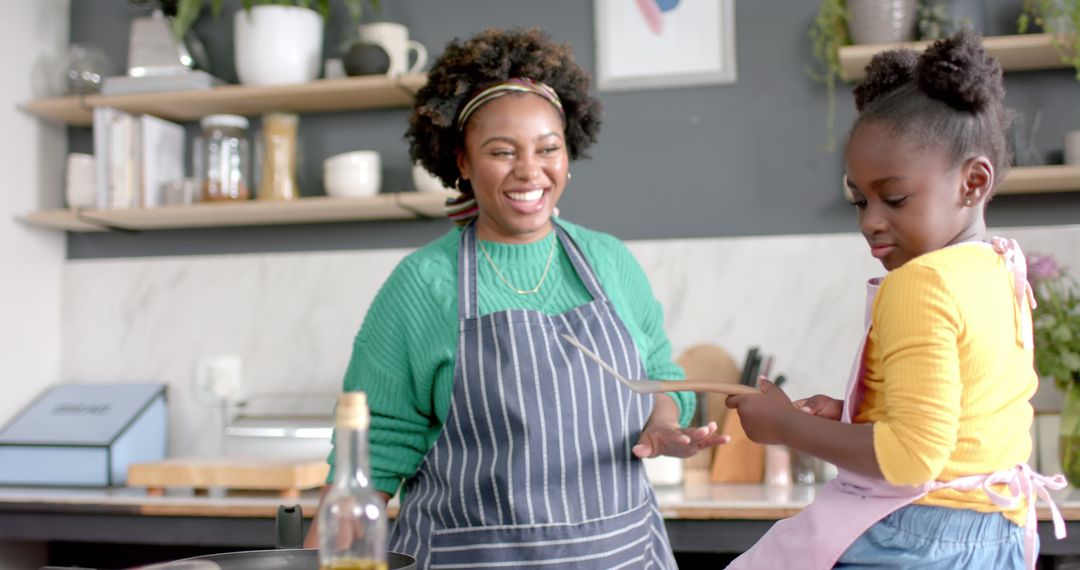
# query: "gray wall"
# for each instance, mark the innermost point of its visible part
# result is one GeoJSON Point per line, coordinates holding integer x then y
{"type": "Point", "coordinates": [742, 159]}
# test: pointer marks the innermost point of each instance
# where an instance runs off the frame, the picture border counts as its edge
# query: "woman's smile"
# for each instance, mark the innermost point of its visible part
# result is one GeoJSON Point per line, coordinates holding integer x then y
{"type": "Point", "coordinates": [527, 202]}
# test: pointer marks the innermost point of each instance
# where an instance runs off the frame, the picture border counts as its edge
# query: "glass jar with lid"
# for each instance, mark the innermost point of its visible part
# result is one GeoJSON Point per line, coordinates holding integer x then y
{"type": "Point", "coordinates": [221, 158]}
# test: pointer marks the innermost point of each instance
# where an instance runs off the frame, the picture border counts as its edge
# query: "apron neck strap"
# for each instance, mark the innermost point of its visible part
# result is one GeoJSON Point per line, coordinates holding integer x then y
{"type": "Point", "coordinates": [855, 387]}
{"type": "Point", "coordinates": [1015, 262]}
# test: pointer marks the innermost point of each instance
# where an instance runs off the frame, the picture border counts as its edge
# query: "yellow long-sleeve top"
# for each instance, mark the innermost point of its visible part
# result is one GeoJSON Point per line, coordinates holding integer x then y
{"type": "Point", "coordinates": [948, 378]}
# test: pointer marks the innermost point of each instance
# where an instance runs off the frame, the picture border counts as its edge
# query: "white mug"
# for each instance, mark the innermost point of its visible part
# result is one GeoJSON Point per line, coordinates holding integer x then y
{"type": "Point", "coordinates": [1072, 147]}
{"type": "Point", "coordinates": [80, 189]}
{"type": "Point", "coordinates": [394, 38]}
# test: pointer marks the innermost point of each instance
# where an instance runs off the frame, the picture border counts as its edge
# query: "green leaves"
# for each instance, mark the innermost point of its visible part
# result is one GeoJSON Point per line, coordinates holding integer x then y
{"type": "Point", "coordinates": [828, 34]}
{"type": "Point", "coordinates": [356, 8]}
{"type": "Point", "coordinates": [1061, 18]}
{"type": "Point", "coordinates": [188, 11]}
{"type": "Point", "coordinates": [1057, 329]}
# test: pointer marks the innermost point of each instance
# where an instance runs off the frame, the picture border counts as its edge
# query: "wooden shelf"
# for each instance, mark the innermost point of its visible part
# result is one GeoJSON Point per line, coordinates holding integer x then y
{"type": "Point", "coordinates": [61, 219]}
{"type": "Point", "coordinates": [1041, 179]}
{"type": "Point", "coordinates": [350, 94]}
{"type": "Point", "coordinates": [1032, 180]}
{"type": "Point", "coordinates": [1016, 53]}
{"type": "Point", "coordinates": [395, 206]}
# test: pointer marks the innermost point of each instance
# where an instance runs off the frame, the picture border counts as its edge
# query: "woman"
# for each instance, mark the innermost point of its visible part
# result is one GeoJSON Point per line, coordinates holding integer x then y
{"type": "Point", "coordinates": [513, 447]}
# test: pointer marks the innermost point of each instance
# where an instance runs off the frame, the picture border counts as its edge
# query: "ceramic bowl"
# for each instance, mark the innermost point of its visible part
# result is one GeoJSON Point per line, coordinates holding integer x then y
{"type": "Point", "coordinates": [425, 181]}
{"type": "Point", "coordinates": [356, 174]}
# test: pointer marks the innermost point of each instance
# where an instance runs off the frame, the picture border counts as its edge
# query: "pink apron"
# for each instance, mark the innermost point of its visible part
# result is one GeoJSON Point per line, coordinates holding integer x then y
{"type": "Point", "coordinates": [847, 506]}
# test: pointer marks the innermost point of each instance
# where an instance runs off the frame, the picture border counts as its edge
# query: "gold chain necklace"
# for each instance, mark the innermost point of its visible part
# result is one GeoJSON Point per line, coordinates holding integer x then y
{"type": "Point", "coordinates": [547, 268]}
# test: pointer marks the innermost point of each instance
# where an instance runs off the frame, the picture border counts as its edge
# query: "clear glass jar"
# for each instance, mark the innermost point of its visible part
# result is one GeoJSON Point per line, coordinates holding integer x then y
{"type": "Point", "coordinates": [221, 158]}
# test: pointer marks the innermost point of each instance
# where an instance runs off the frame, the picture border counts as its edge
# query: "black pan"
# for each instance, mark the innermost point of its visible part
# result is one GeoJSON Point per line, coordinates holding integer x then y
{"type": "Point", "coordinates": [283, 559]}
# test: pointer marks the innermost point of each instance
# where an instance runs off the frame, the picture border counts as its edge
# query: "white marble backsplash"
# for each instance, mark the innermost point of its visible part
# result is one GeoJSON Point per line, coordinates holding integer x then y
{"type": "Point", "coordinates": [291, 317]}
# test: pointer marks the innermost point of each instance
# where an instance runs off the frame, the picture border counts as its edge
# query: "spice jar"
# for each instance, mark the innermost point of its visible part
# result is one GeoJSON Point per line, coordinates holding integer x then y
{"type": "Point", "coordinates": [278, 151]}
{"type": "Point", "coordinates": [221, 158]}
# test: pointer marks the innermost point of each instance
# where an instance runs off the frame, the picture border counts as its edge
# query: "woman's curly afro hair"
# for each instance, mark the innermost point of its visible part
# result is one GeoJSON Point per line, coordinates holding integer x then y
{"type": "Point", "coordinates": [491, 57]}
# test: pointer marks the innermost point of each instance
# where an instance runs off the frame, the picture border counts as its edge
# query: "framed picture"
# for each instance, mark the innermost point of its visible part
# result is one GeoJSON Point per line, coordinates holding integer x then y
{"type": "Point", "coordinates": [647, 44]}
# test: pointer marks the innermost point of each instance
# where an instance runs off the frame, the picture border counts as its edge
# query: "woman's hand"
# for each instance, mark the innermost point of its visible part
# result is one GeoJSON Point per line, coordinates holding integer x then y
{"type": "Point", "coordinates": [764, 416]}
{"type": "Point", "coordinates": [663, 435]}
{"type": "Point", "coordinates": [821, 406]}
{"type": "Point", "coordinates": [676, 441]}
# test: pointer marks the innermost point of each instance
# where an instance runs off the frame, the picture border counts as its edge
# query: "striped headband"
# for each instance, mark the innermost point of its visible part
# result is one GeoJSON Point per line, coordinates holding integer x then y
{"type": "Point", "coordinates": [512, 85]}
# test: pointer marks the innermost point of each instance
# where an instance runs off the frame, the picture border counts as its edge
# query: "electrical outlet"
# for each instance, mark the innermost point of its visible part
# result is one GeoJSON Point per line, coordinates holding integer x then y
{"type": "Point", "coordinates": [217, 379]}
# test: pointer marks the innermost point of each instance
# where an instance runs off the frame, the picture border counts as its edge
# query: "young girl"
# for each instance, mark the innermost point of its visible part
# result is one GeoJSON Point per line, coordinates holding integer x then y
{"type": "Point", "coordinates": [933, 436]}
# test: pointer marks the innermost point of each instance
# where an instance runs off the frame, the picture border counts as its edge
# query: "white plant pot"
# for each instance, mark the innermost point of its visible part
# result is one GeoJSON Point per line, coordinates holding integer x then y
{"type": "Point", "coordinates": [882, 21]}
{"type": "Point", "coordinates": [275, 45]}
{"type": "Point", "coordinates": [1072, 147]}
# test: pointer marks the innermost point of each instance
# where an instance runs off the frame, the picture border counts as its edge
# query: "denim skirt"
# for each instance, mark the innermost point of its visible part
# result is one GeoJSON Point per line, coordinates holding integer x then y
{"type": "Point", "coordinates": [928, 537]}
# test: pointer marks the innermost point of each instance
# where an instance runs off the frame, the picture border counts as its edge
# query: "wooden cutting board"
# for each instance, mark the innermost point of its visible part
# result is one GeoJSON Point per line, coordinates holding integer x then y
{"type": "Point", "coordinates": [740, 460]}
{"type": "Point", "coordinates": [710, 362]}
{"type": "Point", "coordinates": [287, 477]}
{"type": "Point", "coordinates": [707, 362]}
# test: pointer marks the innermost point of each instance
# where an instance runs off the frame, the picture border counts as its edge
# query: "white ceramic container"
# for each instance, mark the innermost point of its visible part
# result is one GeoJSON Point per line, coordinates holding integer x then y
{"type": "Point", "coordinates": [355, 174]}
{"type": "Point", "coordinates": [277, 45]}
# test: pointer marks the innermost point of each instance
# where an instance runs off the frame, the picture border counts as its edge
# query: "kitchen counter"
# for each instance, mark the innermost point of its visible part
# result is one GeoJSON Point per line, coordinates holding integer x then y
{"type": "Point", "coordinates": [700, 518]}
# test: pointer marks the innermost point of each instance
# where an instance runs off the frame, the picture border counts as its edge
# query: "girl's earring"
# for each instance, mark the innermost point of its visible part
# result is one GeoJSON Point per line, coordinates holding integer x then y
{"type": "Point", "coordinates": [569, 175]}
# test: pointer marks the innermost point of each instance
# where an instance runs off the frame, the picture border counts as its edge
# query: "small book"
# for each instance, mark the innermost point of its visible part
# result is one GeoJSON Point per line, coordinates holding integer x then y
{"type": "Point", "coordinates": [193, 81]}
{"type": "Point", "coordinates": [162, 157]}
{"type": "Point", "coordinates": [107, 141]}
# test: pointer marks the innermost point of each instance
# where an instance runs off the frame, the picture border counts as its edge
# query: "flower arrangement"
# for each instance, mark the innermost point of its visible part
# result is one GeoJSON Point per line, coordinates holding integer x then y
{"type": "Point", "coordinates": [1057, 321]}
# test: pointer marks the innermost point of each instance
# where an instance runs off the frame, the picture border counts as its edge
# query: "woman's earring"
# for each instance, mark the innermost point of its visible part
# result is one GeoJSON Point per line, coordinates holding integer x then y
{"type": "Point", "coordinates": [568, 176]}
{"type": "Point", "coordinates": [967, 201]}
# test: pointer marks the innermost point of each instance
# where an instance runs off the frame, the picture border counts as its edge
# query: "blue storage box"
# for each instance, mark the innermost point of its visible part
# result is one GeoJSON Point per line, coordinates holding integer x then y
{"type": "Point", "coordinates": [85, 435]}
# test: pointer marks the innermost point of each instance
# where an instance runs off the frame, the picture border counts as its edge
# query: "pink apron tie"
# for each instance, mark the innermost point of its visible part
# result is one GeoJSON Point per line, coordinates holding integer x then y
{"type": "Point", "coordinates": [1023, 484]}
{"type": "Point", "coordinates": [1017, 263]}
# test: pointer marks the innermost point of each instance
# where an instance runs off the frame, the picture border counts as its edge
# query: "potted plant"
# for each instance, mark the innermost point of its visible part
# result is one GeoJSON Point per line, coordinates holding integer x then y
{"type": "Point", "coordinates": [187, 11]}
{"type": "Point", "coordinates": [882, 21]}
{"type": "Point", "coordinates": [274, 41]}
{"type": "Point", "coordinates": [1057, 349]}
{"type": "Point", "coordinates": [1061, 18]}
{"type": "Point", "coordinates": [828, 34]}
{"type": "Point", "coordinates": [842, 22]}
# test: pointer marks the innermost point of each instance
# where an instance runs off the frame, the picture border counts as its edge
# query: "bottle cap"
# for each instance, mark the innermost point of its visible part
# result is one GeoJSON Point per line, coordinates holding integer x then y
{"type": "Point", "coordinates": [352, 411]}
{"type": "Point", "coordinates": [235, 121]}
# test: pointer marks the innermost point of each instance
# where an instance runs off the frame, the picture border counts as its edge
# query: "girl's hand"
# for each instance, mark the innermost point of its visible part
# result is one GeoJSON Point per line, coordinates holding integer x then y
{"type": "Point", "coordinates": [763, 416]}
{"type": "Point", "coordinates": [663, 438]}
{"type": "Point", "coordinates": [821, 406]}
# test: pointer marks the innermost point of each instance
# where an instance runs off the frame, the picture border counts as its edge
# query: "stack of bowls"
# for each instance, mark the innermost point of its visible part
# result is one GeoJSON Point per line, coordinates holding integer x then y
{"type": "Point", "coordinates": [356, 174]}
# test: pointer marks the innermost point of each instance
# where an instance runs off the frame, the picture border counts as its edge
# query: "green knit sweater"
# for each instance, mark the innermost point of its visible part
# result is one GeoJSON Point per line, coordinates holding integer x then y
{"type": "Point", "coordinates": [405, 352]}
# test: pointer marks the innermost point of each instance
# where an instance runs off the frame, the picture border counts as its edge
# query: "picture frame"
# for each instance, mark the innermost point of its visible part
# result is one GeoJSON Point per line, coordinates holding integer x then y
{"type": "Point", "coordinates": [652, 44]}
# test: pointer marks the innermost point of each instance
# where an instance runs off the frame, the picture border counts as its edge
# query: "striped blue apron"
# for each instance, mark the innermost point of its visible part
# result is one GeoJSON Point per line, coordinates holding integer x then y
{"type": "Point", "coordinates": [533, 467]}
